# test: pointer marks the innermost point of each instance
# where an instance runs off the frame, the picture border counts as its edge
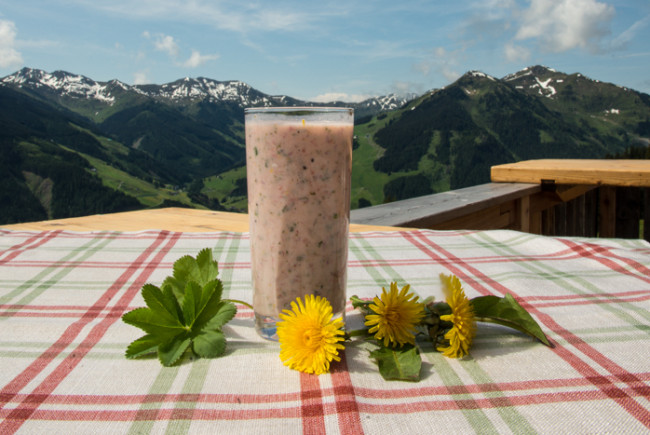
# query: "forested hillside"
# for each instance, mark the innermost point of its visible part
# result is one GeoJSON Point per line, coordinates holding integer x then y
{"type": "Point", "coordinates": [71, 146]}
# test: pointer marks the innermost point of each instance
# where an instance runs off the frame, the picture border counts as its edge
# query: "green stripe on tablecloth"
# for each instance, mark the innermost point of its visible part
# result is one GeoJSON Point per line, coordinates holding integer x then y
{"type": "Point", "coordinates": [476, 417]}
{"type": "Point", "coordinates": [160, 387]}
{"type": "Point", "coordinates": [365, 251]}
{"type": "Point", "coordinates": [562, 279]}
{"type": "Point", "coordinates": [517, 423]}
{"type": "Point", "coordinates": [75, 255]}
{"type": "Point", "coordinates": [199, 370]}
{"type": "Point", "coordinates": [193, 385]}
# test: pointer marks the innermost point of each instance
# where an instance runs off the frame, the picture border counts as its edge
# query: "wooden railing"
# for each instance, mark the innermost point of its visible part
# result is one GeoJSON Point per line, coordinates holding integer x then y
{"type": "Point", "coordinates": [609, 199]}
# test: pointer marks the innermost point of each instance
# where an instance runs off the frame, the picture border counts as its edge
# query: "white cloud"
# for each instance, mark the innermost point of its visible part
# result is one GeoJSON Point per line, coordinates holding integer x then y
{"type": "Point", "coordinates": [442, 62]}
{"type": "Point", "coordinates": [197, 59]}
{"type": "Point", "coordinates": [561, 25]}
{"type": "Point", "coordinates": [141, 78]}
{"type": "Point", "coordinates": [9, 56]}
{"type": "Point", "coordinates": [516, 53]}
{"type": "Point", "coordinates": [166, 44]}
{"type": "Point", "coordinates": [622, 40]}
{"type": "Point", "coordinates": [339, 96]}
{"type": "Point", "coordinates": [237, 16]}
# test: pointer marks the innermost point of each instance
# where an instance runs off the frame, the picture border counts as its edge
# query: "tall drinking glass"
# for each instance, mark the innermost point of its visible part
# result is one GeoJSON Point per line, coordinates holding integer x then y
{"type": "Point", "coordinates": [298, 164]}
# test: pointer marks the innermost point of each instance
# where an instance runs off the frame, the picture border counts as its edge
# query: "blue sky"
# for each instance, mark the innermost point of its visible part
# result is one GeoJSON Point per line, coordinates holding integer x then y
{"type": "Point", "coordinates": [327, 50]}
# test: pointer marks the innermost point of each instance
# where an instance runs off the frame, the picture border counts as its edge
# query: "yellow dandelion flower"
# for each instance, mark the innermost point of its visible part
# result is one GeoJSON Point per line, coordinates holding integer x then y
{"type": "Point", "coordinates": [309, 338]}
{"type": "Point", "coordinates": [396, 316]}
{"type": "Point", "coordinates": [460, 336]}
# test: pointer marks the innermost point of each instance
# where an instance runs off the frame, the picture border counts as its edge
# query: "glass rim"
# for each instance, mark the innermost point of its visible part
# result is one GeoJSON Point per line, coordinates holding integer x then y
{"type": "Point", "coordinates": [297, 110]}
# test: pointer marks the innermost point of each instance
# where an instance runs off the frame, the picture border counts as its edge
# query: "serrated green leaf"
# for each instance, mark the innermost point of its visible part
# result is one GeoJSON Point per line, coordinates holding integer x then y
{"type": "Point", "coordinates": [225, 314]}
{"type": "Point", "coordinates": [210, 304]}
{"type": "Point", "coordinates": [160, 303]}
{"type": "Point", "coordinates": [192, 302]}
{"type": "Point", "coordinates": [175, 287]}
{"type": "Point", "coordinates": [208, 268]}
{"type": "Point", "coordinates": [187, 311]}
{"type": "Point", "coordinates": [169, 294]}
{"type": "Point", "coordinates": [203, 269]}
{"type": "Point", "coordinates": [169, 353]}
{"type": "Point", "coordinates": [398, 364]}
{"type": "Point", "coordinates": [506, 311]}
{"type": "Point", "coordinates": [209, 344]}
{"type": "Point", "coordinates": [144, 345]}
{"type": "Point", "coordinates": [153, 324]}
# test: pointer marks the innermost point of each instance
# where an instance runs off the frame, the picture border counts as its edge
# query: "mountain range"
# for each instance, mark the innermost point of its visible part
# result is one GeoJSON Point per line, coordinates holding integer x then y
{"type": "Point", "coordinates": [73, 146]}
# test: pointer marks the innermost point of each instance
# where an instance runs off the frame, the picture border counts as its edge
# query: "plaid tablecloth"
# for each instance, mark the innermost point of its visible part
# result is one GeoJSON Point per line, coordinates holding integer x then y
{"type": "Point", "coordinates": [62, 341]}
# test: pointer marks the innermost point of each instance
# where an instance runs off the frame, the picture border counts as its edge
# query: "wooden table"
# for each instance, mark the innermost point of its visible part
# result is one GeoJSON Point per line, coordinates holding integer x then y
{"type": "Point", "coordinates": [572, 178]}
{"type": "Point", "coordinates": [171, 219]}
{"type": "Point", "coordinates": [575, 171]}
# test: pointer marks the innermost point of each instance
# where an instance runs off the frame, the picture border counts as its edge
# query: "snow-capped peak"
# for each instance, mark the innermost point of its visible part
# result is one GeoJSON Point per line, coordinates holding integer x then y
{"type": "Point", "coordinates": [73, 85]}
{"type": "Point", "coordinates": [182, 91]}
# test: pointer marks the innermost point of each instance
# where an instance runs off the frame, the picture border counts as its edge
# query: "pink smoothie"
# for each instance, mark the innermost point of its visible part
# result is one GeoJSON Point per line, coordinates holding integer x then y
{"type": "Point", "coordinates": [298, 172]}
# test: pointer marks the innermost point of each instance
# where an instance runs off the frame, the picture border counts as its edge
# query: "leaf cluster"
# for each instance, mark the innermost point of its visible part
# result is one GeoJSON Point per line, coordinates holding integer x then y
{"type": "Point", "coordinates": [186, 313]}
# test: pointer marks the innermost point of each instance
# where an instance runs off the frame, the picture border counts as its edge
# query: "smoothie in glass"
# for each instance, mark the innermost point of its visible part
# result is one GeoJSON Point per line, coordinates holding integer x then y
{"type": "Point", "coordinates": [298, 163]}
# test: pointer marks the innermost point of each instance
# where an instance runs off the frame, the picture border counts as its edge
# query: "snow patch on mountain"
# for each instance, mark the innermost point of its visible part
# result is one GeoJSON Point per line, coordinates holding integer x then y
{"type": "Point", "coordinates": [72, 85]}
{"type": "Point", "coordinates": [182, 91]}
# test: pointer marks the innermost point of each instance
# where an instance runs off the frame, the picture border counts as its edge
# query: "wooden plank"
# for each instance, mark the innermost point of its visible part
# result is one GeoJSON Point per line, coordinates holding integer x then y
{"type": "Point", "coordinates": [646, 214]}
{"type": "Point", "coordinates": [171, 219]}
{"type": "Point", "coordinates": [607, 211]}
{"type": "Point", "coordinates": [491, 218]}
{"type": "Point", "coordinates": [431, 210]}
{"type": "Point", "coordinates": [523, 214]}
{"type": "Point", "coordinates": [591, 213]}
{"type": "Point", "coordinates": [575, 171]}
{"type": "Point", "coordinates": [628, 212]}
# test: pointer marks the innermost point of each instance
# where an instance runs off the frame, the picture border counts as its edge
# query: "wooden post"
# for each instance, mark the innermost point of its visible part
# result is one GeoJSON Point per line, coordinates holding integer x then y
{"type": "Point", "coordinates": [523, 213]}
{"type": "Point", "coordinates": [646, 213]}
{"type": "Point", "coordinates": [628, 212]}
{"type": "Point", "coordinates": [591, 213]}
{"type": "Point", "coordinates": [607, 211]}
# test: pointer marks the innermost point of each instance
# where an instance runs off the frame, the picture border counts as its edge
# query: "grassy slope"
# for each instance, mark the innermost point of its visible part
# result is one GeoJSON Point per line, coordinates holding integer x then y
{"type": "Point", "coordinates": [148, 194]}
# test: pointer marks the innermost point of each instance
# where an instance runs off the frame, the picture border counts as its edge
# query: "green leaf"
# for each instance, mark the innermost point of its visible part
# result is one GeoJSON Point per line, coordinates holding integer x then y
{"type": "Point", "coordinates": [202, 270]}
{"type": "Point", "coordinates": [169, 353]}
{"type": "Point", "coordinates": [399, 364]}
{"type": "Point", "coordinates": [225, 314]}
{"type": "Point", "coordinates": [209, 344]}
{"type": "Point", "coordinates": [210, 304]}
{"type": "Point", "coordinates": [160, 303]}
{"type": "Point", "coordinates": [144, 345]}
{"type": "Point", "coordinates": [506, 311]}
{"type": "Point", "coordinates": [152, 323]}
{"type": "Point", "coordinates": [192, 302]}
{"type": "Point", "coordinates": [187, 312]}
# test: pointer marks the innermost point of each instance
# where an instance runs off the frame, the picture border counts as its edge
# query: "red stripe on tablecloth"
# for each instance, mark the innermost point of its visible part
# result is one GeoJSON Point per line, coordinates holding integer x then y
{"type": "Point", "coordinates": [358, 391]}
{"type": "Point", "coordinates": [621, 397]}
{"type": "Point", "coordinates": [56, 311]}
{"type": "Point", "coordinates": [31, 243]}
{"type": "Point", "coordinates": [166, 414]}
{"type": "Point", "coordinates": [18, 416]}
{"type": "Point", "coordinates": [603, 255]}
{"type": "Point", "coordinates": [591, 301]}
{"type": "Point", "coordinates": [424, 405]}
{"type": "Point", "coordinates": [311, 408]}
{"type": "Point", "coordinates": [347, 409]}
